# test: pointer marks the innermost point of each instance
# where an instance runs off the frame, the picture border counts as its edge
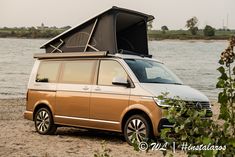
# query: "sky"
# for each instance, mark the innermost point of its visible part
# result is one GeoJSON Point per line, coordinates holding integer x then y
{"type": "Point", "coordinates": [172, 13]}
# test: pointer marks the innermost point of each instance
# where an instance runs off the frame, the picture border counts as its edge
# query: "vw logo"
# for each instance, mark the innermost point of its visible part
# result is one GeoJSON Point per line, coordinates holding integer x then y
{"type": "Point", "coordinates": [198, 106]}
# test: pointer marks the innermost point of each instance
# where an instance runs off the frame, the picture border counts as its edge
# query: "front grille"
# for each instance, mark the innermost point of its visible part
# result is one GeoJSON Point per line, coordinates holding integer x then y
{"type": "Point", "coordinates": [199, 104]}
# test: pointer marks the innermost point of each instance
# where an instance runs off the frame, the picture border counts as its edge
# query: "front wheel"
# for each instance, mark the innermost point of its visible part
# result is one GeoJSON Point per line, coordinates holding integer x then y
{"type": "Point", "coordinates": [44, 123]}
{"type": "Point", "coordinates": [137, 128]}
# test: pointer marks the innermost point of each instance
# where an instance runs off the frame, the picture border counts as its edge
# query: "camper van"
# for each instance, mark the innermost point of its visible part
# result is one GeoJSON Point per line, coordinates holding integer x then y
{"type": "Point", "coordinates": [100, 91]}
{"type": "Point", "coordinates": [107, 81]}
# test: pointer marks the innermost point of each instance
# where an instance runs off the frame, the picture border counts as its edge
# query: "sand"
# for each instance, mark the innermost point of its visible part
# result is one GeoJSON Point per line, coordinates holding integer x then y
{"type": "Point", "coordinates": [19, 138]}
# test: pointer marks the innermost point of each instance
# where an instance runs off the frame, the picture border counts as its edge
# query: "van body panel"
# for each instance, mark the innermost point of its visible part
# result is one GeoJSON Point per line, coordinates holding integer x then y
{"type": "Point", "coordinates": [155, 117]}
{"type": "Point", "coordinates": [184, 92]}
{"type": "Point", "coordinates": [73, 100]}
{"type": "Point", "coordinates": [108, 102]}
{"type": "Point", "coordinates": [139, 91]}
{"type": "Point", "coordinates": [37, 97]}
{"type": "Point", "coordinates": [148, 106]}
{"type": "Point", "coordinates": [105, 125]}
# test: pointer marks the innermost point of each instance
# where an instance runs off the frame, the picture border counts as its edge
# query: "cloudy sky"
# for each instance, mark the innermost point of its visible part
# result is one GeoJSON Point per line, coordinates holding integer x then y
{"type": "Point", "coordinates": [172, 13]}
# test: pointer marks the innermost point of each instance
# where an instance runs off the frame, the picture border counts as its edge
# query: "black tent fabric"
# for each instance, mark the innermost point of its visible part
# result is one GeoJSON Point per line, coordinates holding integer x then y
{"type": "Point", "coordinates": [115, 30]}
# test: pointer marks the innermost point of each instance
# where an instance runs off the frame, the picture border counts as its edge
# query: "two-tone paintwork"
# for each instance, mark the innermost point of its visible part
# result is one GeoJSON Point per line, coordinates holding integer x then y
{"type": "Point", "coordinates": [97, 106]}
{"type": "Point", "coordinates": [91, 105]}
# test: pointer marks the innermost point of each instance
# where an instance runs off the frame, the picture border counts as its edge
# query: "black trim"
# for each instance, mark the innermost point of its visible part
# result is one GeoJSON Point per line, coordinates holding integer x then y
{"type": "Point", "coordinates": [164, 123]}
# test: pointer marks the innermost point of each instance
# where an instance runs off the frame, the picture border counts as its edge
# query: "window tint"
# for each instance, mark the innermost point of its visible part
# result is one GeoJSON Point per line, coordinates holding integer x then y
{"type": "Point", "coordinates": [48, 72]}
{"type": "Point", "coordinates": [78, 71]}
{"type": "Point", "coordinates": [108, 70]}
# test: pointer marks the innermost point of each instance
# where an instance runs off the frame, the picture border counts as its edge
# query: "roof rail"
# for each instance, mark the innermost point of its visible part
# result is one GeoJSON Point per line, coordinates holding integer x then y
{"type": "Point", "coordinates": [70, 55]}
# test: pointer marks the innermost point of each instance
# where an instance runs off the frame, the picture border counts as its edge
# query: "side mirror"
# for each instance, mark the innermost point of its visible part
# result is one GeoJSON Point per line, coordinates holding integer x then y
{"type": "Point", "coordinates": [120, 81]}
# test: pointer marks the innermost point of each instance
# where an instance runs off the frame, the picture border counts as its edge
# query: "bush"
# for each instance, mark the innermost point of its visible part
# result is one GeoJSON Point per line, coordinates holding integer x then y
{"type": "Point", "coordinates": [209, 31]}
{"type": "Point", "coordinates": [105, 152]}
{"type": "Point", "coordinates": [192, 129]}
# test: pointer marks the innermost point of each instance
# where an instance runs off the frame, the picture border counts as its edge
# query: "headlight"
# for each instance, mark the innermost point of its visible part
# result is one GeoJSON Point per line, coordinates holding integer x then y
{"type": "Point", "coordinates": [161, 103]}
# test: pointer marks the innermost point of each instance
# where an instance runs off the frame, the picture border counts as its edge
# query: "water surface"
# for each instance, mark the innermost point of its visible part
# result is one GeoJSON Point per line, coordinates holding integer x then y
{"type": "Point", "coordinates": [195, 62]}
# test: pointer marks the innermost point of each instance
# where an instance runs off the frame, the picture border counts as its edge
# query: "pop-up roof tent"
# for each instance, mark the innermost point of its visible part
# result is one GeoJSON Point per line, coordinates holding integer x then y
{"type": "Point", "coordinates": [115, 30]}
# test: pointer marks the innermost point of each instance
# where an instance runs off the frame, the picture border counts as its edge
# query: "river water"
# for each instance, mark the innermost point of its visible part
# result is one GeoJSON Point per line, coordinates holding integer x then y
{"type": "Point", "coordinates": [195, 62]}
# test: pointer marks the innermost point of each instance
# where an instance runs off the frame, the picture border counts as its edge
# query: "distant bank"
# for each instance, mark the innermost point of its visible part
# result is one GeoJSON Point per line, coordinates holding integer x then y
{"type": "Point", "coordinates": [186, 35]}
{"type": "Point", "coordinates": [32, 32]}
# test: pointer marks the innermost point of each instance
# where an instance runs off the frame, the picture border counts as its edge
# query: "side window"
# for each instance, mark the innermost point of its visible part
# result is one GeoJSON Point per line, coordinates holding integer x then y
{"type": "Point", "coordinates": [48, 71]}
{"type": "Point", "coordinates": [108, 70]}
{"type": "Point", "coordinates": [80, 72]}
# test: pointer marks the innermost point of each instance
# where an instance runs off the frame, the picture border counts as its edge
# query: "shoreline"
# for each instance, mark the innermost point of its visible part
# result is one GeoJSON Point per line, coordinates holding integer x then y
{"type": "Point", "coordinates": [209, 40]}
{"type": "Point", "coordinates": [23, 38]}
{"type": "Point", "coordinates": [192, 40]}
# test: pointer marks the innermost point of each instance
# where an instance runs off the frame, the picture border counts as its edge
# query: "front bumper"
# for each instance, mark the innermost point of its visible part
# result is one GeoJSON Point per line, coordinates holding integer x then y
{"type": "Point", "coordinates": [164, 122]}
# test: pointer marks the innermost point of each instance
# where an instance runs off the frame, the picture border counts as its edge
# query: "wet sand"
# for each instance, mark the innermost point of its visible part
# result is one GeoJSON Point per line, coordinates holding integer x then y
{"type": "Point", "coordinates": [19, 138]}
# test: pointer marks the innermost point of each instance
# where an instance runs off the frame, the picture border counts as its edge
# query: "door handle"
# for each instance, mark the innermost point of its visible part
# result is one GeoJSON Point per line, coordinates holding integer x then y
{"type": "Point", "coordinates": [85, 88]}
{"type": "Point", "coordinates": [97, 89]}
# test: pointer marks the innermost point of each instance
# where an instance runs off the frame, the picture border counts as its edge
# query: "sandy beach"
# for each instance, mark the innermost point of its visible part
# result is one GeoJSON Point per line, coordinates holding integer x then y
{"type": "Point", "coordinates": [19, 138]}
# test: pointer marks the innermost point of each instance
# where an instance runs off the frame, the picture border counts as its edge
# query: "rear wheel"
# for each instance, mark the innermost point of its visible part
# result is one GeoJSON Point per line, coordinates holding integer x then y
{"type": "Point", "coordinates": [137, 128]}
{"type": "Point", "coordinates": [44, 123]}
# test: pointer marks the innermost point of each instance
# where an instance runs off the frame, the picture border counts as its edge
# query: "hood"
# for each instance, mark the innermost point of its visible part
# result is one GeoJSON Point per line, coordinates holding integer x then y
{"type": "Point", "coordinates": [182, 91]}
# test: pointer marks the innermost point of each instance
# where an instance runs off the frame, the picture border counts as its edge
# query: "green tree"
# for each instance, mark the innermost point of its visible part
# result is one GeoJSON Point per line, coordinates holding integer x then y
{"type": "Point", "coordinates": [191, 24]}
{"type": "Point", "coordinates": [164, 28]}
{"type": "Point", "coordinates": [209, 31]}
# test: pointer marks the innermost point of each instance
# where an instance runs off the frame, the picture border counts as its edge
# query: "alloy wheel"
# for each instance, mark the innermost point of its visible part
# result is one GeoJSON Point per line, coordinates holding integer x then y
{"type": "Point", "coordinates": [136, 130]}
{"type": "Point", "coordinates": [42, 121]}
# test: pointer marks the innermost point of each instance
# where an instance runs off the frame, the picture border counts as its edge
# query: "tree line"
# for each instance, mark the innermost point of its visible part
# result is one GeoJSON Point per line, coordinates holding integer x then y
{"type": "Point", "coordinates": [31, 32]}
{"type": "Point", "coordinates": [193, 32]}
{"type": "Point", "coordinates": [191, 24]}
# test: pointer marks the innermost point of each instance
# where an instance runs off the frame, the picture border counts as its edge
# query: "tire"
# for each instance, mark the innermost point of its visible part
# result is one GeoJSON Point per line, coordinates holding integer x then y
{"type": "Point", "coordinates": [138, 128]}
{"type": "Point", "coordinates": [44, 123]}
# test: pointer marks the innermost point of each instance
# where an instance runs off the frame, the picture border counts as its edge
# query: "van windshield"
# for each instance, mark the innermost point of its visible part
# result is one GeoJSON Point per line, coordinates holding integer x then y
{"type": "Point", "coordinates": [149, 71]}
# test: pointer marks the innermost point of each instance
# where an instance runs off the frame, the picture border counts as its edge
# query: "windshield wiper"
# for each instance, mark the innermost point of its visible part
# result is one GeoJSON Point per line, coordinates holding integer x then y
{"type": "Point", "coordinates": [165, 83]}
{"type": "Point", "coordinates": [177, 83]}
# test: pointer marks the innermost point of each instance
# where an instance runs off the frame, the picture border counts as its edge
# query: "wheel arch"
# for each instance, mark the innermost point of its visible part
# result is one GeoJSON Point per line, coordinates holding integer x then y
{"type": "Point", "coordinates": [40, 105]}
{"type": "Point", "coordinates": [135, 111]}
